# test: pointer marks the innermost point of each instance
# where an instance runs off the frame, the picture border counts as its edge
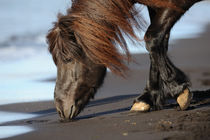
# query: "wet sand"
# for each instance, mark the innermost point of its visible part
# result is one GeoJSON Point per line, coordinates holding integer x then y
{"type": "Point", "coordinates": [108, 116]}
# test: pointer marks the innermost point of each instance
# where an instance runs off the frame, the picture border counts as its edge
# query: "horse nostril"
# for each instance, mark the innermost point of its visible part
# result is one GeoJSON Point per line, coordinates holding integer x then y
{"type": "Point", "coordinates": [73, 111]}
{"type": "Point", "coordinates": [60, 113]}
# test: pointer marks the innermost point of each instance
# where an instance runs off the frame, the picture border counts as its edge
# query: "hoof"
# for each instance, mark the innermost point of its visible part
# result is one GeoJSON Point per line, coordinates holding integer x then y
{"type": "Point", "coordinates": [140, 106]}
{"type": "Point", "coordinates": [184, 99]}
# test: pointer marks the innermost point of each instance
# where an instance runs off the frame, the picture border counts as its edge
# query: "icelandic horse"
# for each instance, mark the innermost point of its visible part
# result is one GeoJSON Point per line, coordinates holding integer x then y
{"type": "Point", "coordinates": [83, 44]}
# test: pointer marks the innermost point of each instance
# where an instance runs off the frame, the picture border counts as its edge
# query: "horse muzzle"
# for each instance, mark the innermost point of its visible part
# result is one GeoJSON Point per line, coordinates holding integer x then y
{"type": "Point", "coordinates": [68, 114]}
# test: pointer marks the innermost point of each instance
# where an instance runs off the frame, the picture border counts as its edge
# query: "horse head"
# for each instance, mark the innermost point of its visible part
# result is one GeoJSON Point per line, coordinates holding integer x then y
{"type": "Point", "coordinates": [78, 77]}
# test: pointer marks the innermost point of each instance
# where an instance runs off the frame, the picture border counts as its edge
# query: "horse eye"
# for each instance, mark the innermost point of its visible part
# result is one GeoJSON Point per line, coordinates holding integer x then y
{"type": "Point", "coordinates": [67, 60]}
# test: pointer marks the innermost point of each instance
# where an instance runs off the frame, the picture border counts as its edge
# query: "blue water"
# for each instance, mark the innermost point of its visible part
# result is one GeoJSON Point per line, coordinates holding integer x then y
{"type": "Point", "coordinates": [25, 61]}
{"type": "Point", "coordinates": [11, 131]}
{"type": "Point", "coordinates": [24, 58]}
{"type": "Point", "coordinates": [28, 16]}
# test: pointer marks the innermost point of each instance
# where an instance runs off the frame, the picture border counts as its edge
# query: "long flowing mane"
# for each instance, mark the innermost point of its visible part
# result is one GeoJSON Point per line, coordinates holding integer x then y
{"type": "Point", "coordinates": [97, 26]}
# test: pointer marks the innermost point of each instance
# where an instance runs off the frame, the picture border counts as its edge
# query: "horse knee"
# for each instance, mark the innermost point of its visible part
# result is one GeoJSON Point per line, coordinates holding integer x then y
{"type": "Point", "coordinates": [153, 43]}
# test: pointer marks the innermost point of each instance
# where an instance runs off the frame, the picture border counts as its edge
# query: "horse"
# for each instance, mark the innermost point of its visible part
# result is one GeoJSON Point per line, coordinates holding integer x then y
{"type": "Point", "coordinates": [83, 43]}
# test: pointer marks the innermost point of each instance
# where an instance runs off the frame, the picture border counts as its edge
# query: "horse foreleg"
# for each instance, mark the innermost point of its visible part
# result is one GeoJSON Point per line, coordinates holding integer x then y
{"type": "Point", "coordinates": [165, 80]}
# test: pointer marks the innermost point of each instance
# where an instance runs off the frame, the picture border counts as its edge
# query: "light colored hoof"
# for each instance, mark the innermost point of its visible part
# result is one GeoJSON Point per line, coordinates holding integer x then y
{"type": "Point", "coordinates": [140, 106]}
{"type": "Point", "coordinates": [184, 99]}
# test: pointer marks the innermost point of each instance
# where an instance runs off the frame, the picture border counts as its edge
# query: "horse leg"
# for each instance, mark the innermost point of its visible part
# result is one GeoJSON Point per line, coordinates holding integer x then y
{"type": "Point", "coordinates": [145, 100]}
{"type": "Point", "coordinates": [165, 79]}
{"type": "Point", "coordinates": [149, 96]}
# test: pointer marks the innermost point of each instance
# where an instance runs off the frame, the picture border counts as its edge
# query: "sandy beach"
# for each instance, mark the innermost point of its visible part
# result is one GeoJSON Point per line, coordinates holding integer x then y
{"type": "Point", "coordinates": [108, 116]}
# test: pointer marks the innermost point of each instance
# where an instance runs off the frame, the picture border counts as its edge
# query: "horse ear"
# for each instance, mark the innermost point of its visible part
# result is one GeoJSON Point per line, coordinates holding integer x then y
{"type": "Point", "coordinates": [62, 42]}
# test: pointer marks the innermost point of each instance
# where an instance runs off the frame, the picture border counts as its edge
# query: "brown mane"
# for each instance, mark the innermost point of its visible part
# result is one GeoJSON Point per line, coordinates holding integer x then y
{"type": "Point", "coordinates": [95, 26]}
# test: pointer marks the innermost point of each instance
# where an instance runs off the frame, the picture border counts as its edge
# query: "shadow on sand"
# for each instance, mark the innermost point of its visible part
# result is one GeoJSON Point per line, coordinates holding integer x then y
{"type": "Point", "coordinates": [200, 99]}
{"type": "Point", "coordinates": [96, 103]}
